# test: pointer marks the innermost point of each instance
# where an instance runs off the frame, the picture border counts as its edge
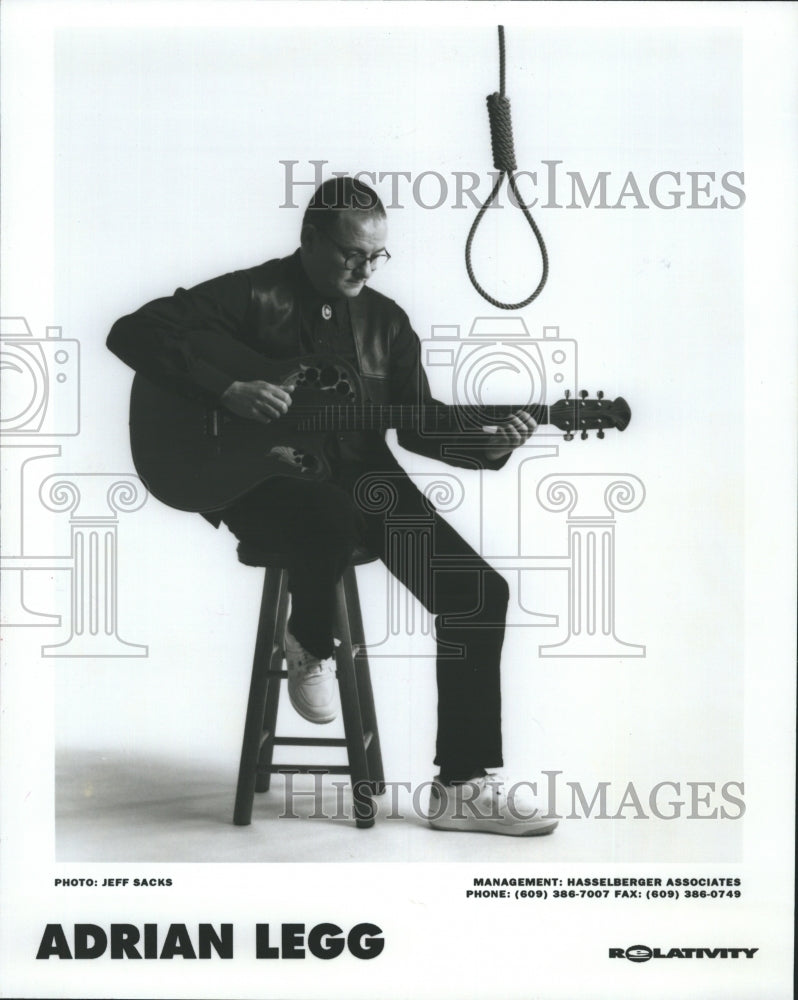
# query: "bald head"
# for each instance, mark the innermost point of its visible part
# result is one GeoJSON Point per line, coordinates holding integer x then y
{"type": "Point", "coordinates": [343, 237]}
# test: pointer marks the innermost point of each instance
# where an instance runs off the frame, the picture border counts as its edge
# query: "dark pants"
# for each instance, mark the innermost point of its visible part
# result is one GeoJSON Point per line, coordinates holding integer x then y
{"type": "Point", "coordinates": [320, 524]}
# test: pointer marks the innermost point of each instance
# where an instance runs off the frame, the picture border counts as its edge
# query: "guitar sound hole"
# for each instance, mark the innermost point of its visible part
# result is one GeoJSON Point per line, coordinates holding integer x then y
{"type": "Point", "coordinates": [343, 388]}
{"type": "Point", "coordinates": [328, 377]}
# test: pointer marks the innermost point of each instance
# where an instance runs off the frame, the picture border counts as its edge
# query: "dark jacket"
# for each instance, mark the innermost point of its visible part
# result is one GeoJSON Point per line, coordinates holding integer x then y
{"type": "Point", "coordinates": [272, 308]}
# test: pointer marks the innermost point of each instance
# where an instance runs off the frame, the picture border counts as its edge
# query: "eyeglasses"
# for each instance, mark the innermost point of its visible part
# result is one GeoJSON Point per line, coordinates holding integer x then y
{"type": "Point", "coordinates": [355, 259]}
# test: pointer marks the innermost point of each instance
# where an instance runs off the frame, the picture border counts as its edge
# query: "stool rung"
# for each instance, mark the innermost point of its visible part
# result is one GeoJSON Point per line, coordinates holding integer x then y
{"type": "Point", "coordinates": [313, 741]}
{"type": "Point", "coordinates": [305, 768]}
{"type": "Point", "coordinates": [308, 741]}
{"type": "Point", "coordinates": [283, 673]}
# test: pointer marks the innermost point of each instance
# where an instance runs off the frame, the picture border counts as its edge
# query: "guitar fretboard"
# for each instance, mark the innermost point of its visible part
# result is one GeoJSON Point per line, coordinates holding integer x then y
{"type": "Point", "coordinates": [430, 418]}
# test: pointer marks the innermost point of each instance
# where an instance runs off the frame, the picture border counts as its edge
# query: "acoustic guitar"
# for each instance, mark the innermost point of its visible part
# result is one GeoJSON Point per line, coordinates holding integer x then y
{"type": "Point", "coordinates": [197, 458]}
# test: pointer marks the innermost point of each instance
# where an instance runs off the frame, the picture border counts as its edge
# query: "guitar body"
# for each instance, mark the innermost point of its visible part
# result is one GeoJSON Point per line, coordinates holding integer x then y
{"type": "Point", "coordinates": [200, 459]}
{"type": "Point", "coordinates": [196, 459]}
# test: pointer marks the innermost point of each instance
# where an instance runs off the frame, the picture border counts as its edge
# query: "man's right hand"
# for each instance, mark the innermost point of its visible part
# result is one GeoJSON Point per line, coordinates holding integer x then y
{"type": "Point", "coordinates": [257, 400]}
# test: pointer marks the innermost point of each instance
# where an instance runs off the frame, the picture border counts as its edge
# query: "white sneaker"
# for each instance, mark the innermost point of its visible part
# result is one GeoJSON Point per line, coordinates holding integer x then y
{"type": "Point", "coordinates": [488, 805]}
{"type": "Point", "coordinates": [311, 683]}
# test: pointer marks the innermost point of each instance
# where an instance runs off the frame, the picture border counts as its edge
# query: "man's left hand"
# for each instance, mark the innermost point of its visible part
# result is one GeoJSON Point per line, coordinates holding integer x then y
{"type": "Point", "coordinates": [510, 435]}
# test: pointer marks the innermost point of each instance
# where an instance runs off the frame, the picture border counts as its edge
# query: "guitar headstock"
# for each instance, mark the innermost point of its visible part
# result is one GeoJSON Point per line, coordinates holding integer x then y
{"type": "Point", "coordinates": [585, 414]}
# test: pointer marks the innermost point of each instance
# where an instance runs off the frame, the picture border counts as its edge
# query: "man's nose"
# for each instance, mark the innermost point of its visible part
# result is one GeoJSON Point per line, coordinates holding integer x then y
{"type": "Point", "coordinates": [364, 268]}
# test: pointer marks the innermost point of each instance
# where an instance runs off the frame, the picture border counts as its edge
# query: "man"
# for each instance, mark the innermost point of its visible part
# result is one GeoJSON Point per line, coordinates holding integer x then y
{"type": "Point", "coordinates": [318, 301]}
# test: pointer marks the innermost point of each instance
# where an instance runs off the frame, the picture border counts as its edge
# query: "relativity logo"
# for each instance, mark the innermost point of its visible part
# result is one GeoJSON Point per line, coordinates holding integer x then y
{"type": "Point", "coordinates": [642, 953]}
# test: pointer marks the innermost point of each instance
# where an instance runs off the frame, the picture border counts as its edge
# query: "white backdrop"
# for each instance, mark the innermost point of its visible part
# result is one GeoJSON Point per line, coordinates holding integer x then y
{"type": "Point", "coordinates": [170, 172]}
{"type": "Point", "coordinates": [167, 140]}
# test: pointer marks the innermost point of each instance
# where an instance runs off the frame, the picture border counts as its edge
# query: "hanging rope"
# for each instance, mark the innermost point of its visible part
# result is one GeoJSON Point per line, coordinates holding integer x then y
{"type": "Point", "coordinates": [501, 141]}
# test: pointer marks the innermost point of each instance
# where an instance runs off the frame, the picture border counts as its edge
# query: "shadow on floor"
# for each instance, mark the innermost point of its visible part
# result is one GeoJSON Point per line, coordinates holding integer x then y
{"type": "Point", "coordinates": [112, 806]}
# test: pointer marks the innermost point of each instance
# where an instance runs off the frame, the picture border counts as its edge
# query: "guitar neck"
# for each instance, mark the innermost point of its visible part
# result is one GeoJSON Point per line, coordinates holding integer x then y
{"type": "Point", "coordinates": [431, 418]}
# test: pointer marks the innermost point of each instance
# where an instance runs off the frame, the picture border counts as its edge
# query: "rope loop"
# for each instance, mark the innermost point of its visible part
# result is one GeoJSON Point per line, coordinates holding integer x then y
{"type": "Point", "coordinates": [502, 146]}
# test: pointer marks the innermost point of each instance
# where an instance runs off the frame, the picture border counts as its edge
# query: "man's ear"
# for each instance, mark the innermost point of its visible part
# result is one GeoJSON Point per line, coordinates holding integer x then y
{"type": "Point", "coordinates": [308, 237]}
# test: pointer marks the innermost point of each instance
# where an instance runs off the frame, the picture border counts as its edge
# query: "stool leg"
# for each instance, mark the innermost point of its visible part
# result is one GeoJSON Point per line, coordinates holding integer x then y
{"type": "Point", "coordinates": [253, 726]}
{"type": "Point", "coordinates": [350, 710]}
{"type": "Point", "coordinates": [264, 777]}
{"type": "Point", "coordinates": [363, 677]}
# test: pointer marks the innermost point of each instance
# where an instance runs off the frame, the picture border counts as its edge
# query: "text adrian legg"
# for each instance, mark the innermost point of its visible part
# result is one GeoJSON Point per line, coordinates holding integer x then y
{"type": "Point", "coordinates": [205, 941]}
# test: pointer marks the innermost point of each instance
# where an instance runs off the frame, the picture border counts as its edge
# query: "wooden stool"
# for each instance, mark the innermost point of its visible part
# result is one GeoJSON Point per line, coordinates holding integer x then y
{"type": "Point", "coordinates": [362, 740]}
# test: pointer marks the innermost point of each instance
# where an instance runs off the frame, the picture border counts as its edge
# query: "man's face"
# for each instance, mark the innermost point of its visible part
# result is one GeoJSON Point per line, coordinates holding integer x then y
{"type": "Point", "coordinates": [324, 256]}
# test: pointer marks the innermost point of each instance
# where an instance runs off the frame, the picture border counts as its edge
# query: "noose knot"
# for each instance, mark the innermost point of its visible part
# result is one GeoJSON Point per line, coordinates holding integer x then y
{"type": "Point", "coordinates": [501, 133]}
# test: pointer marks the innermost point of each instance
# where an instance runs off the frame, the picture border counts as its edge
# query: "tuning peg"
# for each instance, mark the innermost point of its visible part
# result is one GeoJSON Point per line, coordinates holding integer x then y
{"type": "Point", "coordinates": [584, 394]}
{"type": "Point", "coordinates": [583, 435]}
{"type": "Point", "coordinates": [600, 433]}
{"type": "Point", "coordinates": [569, 436]}
{"type": "Point", "coordinates": [600, 394]}
{"type": "Point", "coordinates": [567, 393]}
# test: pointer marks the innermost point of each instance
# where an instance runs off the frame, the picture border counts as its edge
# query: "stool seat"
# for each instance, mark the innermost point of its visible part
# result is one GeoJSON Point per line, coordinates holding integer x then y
{"type": "Point", "coordinates": [254, 555]}
{"type": "Point", "coordinates": [359, 715]}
